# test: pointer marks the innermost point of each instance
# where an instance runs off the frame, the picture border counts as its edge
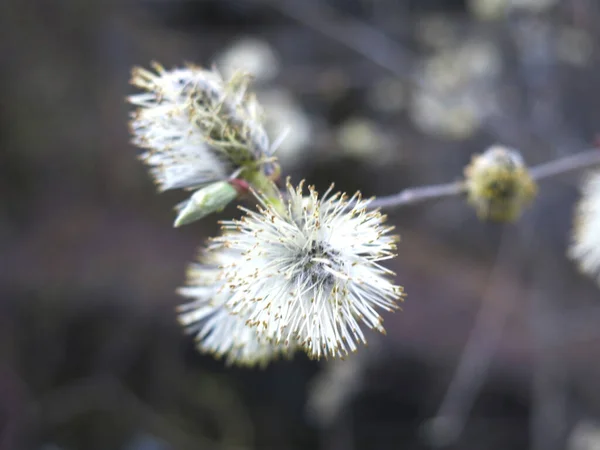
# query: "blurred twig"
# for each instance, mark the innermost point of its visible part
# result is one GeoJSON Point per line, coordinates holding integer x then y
{"type": "Point", "coordinates": [566, 164]}
{"type": "Point", "coordinates": [548, 421]}
{"type": "Point", "coordinates": [354, 34]}
{"type": "Point", "coordinates": [450, 420]}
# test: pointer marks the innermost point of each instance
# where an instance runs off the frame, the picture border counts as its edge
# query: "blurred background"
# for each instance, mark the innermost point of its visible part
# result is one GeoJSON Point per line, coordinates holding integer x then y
{"type": "Point", "coordinates": [498, 343]}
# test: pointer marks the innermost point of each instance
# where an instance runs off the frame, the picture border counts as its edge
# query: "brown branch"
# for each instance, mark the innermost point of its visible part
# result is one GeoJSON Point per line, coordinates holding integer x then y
{"type": "Point", "coordinates": [570, 163]}
{"type": "Point", "coordinates": [419, 194]}
{"type": "Point", "coordinates": [578, 161]}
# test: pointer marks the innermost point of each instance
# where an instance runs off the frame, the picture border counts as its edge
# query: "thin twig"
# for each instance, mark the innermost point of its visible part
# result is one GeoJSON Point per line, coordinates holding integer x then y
{"type": "Point", "coordinates": [418, 194]}
{"type": "Point", "coordinates": [566, 164]}
{"type": "Point", "coordinates": [540, 172]}
{"type": "Point", "coordinates": [473, 365]}
{"type": "Point", "coordinates": [359, 36]}
{"type": "Point", "coordinates": [548, 420]}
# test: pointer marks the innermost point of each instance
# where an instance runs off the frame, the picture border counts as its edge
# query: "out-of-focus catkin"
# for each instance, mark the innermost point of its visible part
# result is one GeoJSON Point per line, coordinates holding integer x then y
{"type": "Point", "coordinates": [498, 184]}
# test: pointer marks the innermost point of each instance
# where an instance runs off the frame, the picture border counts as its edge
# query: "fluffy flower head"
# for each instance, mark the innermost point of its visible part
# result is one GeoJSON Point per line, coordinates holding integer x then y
{"type": "Point", "coordinates": [196, 127]}
{"type": "Point", "coordinates": [216, 329]}
{"type": "Point", "coordinates": [585, 248]}
{"type": "Point", "coordinates": [310, 270]}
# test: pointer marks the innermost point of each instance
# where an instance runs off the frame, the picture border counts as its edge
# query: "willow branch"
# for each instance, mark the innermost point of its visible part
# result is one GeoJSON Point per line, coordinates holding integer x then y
{"type": "Point", "coordinates": [540, 172]}
{"type": "Point", "coordinates": [570, 163]}
{"type": "Point", "coordinates": [418, 195]}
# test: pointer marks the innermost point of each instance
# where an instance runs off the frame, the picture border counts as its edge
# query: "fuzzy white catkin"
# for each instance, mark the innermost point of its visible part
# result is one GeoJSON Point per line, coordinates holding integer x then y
{"type": "Point", "coordinates": [196, 127]}
{"type": "Point", "coordinates": [310, 271]}
{"type": "Point", "coordinates": [585, 248]}
{"type": "Point", "coordinates": [216, 329]}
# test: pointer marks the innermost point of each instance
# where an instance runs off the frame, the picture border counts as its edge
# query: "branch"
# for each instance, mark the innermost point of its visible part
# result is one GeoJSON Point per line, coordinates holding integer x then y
{"type": "Point", "coordinates": [411, 196]}
{"type": "Point", "coordinates": [566, 164]}
{"type": "Point", "coordinates": [418, 195]}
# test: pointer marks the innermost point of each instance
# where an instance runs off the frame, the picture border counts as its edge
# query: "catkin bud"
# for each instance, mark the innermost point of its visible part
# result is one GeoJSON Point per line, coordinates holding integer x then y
{"type": "Point", "coordinates": [195, 125]}
{"type": "Point", "coordinates": [498, 184]}
{"type": "Point", "coordinates": [199, 130]}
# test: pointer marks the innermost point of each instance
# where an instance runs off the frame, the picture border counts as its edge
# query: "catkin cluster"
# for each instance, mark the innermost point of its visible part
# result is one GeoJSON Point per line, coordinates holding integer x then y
{"type": "Point", "coordinates": [300, 271]}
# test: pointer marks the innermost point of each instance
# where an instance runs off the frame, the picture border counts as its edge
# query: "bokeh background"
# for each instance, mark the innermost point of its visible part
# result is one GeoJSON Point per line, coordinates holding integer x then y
{"type": "Point", "coordinates": [380, 95]}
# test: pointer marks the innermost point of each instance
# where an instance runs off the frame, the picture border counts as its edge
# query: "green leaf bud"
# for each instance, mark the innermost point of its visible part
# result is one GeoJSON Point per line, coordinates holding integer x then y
{"type": "Point", "coordinates": [205, 201]}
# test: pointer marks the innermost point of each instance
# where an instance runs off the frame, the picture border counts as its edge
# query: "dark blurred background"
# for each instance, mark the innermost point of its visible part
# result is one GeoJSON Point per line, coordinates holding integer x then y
{"type": "Point", "coordinates": [380, 95]}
